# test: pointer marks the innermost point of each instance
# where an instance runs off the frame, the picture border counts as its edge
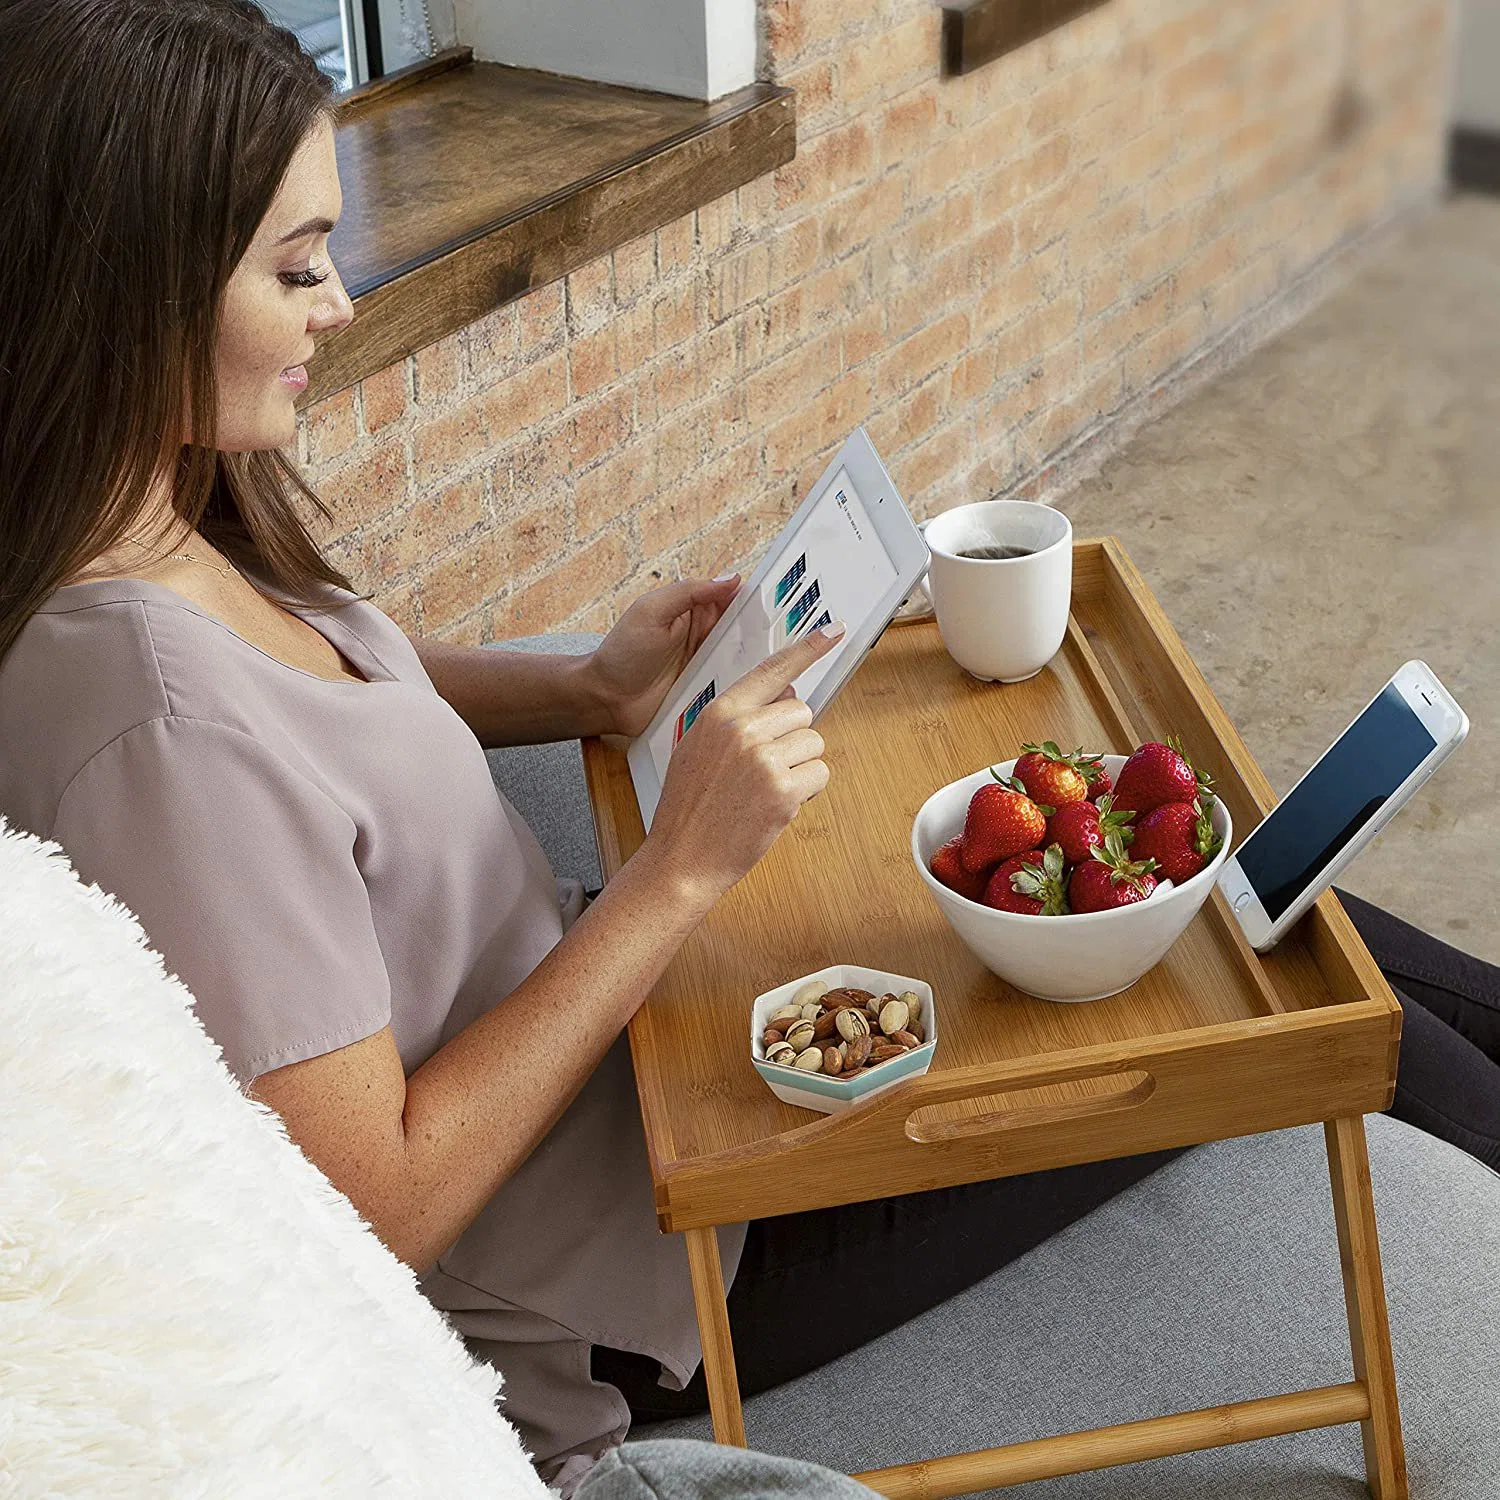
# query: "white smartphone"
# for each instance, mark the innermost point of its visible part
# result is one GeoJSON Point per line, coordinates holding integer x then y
{"type": "Point", "coordinates": [1353, 790]}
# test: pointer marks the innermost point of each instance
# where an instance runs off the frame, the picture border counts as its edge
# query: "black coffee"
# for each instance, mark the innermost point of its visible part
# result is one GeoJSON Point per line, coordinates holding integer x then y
{"type": "Point", "coordinates": [993, 553]}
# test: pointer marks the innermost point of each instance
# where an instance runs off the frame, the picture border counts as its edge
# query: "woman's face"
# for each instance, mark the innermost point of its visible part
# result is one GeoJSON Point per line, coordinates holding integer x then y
{"type": "Point", "coordinates": [272, 317]}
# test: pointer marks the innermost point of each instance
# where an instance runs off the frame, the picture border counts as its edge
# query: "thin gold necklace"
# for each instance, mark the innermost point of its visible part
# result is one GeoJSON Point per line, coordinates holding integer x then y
{"type": "Point", "coordinates": [186, 557]}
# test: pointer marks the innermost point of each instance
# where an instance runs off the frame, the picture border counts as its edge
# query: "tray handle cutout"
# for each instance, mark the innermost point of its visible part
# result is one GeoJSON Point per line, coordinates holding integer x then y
{"type": "Point", "coordinates": [1020, 1108]}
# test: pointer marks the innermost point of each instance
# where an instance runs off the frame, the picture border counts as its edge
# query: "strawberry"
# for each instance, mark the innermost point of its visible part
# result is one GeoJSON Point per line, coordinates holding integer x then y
{"type": "Point", "coordinates": [1179, 836]}
{"type": "Point", "coordinates": [1002, 820]}
{"type": "Point", "coordinates": [1081, 826]}
{"type": "Point", "coordinates": [1097, 777]}
{"type": "Point", "coordinates": [1050, 777]}
{"type": "Point", "coordinates": [1108, 879]}
{"type": "Point", "coordinates": [1155, 774]}
{"type": "Point", "coordinates": [948, 867]}
{"type": "Point", "coordinates": [1031, 884]}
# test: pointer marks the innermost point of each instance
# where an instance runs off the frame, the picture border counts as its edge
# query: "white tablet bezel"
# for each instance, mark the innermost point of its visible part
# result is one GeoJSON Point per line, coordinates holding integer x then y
{"type": "Point", "coordinates": [904, 548]}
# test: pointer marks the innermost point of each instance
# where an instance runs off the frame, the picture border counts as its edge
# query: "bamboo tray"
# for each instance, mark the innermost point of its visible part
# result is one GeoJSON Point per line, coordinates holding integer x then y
{"type": "Point", "coordinates": [1215, 1041]}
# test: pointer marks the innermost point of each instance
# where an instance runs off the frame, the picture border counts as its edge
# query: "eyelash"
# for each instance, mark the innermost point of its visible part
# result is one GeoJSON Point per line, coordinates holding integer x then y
{"type": "Point", "coordinates": [308, 278]}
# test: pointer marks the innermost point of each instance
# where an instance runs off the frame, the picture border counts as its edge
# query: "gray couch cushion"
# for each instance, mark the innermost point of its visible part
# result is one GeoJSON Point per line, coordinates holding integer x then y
{"type": "Point", "coordinates": [1216, 1279]}
{"type": "Point", "coordinates": [687, 1470]}
{"type": "Point", "coordinates": [545, 782]}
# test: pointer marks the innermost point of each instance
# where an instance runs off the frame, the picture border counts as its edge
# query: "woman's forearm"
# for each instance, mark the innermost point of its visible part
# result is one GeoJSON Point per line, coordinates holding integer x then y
{"type": "Point", "coordinates": [517, 697]}
{"type": "Point", "coordinates": [478, 1107]}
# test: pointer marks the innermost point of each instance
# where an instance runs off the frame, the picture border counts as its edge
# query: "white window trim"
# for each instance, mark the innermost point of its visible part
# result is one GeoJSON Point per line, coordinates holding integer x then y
{"type": "Point", "coordinates": [702, 49]}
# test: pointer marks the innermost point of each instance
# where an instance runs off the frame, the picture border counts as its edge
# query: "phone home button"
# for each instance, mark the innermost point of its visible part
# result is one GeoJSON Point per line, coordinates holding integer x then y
{"type": "Point", "coordinates": [1242, 900]}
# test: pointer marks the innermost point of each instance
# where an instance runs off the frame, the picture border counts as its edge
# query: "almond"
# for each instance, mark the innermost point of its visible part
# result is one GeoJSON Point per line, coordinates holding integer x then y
{"type": "Point", "coordinates": [833, 1061]}
{"type": "Point", "coordinates": [857, 1052]}
{"type": "Point", "coordinates": [824, 1026]}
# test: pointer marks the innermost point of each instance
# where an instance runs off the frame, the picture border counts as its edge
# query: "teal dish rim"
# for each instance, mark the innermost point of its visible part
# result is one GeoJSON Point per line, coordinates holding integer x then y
{"type": "Point", "coordinates": [845, 1088]}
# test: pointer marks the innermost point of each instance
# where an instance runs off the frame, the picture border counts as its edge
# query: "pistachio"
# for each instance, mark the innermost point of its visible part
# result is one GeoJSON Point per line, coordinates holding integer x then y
{"type": "Point", "coordinates": [812, 1010]}
{"type": "Point", "coordinates": [780, 1053]}
{"type": "Point", "coordinates": [894, 1015]}
{"type": "Point", "coordinates": [823, 1026]}
{"type": "Point", "coordinates": [851, 1023]}
{"type": "Point", "coordinates": [810, 1060]}
{"type": "Point", "coordinates": [770, 1036]}
{"type": "Point", "coordinates": [833, 1060]}
{"type": "Point", "coordinates": [800, 1035]}
{"type": "Point", "coordinates": [784, 1016]}
{"type": "Point", "coordinates": [814, 989]}
{"type": "Point", "coordinates": [913, 1003]}
{"type": "Point", "coordinates": [906, 1039]}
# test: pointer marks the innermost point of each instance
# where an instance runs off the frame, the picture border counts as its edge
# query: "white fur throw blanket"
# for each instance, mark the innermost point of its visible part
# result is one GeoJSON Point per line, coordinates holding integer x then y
{"type": "Point", "coordinates": [187, 1306]}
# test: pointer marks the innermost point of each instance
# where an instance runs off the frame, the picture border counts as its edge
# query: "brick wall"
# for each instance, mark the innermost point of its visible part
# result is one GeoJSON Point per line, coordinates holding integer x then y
{"type": "Point", "coordinates": [981, 270]}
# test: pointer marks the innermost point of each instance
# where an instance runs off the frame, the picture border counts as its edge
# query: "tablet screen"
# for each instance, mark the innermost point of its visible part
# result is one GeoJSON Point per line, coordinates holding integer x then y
{"type": "Point", "coordinates": [833, 567]}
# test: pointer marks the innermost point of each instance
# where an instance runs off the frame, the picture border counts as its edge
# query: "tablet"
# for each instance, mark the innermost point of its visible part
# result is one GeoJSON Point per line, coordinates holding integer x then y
{"type": "Point", "coordinates": [849, 552]}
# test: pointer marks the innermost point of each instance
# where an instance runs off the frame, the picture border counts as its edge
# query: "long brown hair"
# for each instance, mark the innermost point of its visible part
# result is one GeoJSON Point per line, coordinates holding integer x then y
{"type": "Point", "coordinates": [141, 143]}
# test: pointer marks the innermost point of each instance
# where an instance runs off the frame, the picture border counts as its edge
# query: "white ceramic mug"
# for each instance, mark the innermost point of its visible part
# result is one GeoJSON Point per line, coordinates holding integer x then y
{"type": "Point", "coordinates": [1002, 619]}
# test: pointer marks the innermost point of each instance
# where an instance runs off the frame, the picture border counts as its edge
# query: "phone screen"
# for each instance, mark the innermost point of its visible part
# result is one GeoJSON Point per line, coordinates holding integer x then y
{"type": "Point", "coordinates": [1330, 805]}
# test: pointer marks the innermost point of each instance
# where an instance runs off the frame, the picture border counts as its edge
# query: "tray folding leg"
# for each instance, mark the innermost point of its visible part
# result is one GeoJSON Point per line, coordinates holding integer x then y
{"type": "Point", "coordinates": [1369, 1399]}
{"type": "Point", "coordinates": [1364, 1298]}
{"type": "Point", "coordinates": [707, 1272]}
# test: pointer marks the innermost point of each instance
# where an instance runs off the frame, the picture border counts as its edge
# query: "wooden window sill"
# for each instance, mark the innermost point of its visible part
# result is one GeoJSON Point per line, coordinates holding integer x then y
{"type": "Point", "coordinates": [467, 184]}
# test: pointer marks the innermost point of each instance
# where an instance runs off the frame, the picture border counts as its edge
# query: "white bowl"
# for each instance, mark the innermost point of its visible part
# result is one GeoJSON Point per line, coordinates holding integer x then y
{"type": "Point", "coordinates": [830, 1095]}
{"type": "Point", "coordinates": [1083, 956]}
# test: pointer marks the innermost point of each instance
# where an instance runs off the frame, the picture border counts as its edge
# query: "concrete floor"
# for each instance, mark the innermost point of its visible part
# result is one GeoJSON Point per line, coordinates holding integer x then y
{"type": "Point", "coordinates": [1331, 508]}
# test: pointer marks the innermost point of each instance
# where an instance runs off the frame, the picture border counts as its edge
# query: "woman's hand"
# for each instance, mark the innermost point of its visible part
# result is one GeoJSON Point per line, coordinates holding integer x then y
{"type": "Point", "coordinates": [741, 774]}
{"type": "Point", "coordinates": [651, 643]}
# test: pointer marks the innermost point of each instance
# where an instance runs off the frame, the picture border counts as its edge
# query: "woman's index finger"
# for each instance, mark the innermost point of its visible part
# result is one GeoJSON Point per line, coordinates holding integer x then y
{"type": "Point", "coordinates": [766, 682]}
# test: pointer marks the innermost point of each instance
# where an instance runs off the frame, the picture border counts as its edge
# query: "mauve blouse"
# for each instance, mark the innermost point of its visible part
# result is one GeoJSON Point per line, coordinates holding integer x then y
{"type": "Point", "coordinates": [318, 859]}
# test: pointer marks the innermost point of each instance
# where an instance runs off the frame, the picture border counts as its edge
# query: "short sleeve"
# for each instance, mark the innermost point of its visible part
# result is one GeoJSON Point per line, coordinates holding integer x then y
{"type": "Point", "coordinates": [241, 871]}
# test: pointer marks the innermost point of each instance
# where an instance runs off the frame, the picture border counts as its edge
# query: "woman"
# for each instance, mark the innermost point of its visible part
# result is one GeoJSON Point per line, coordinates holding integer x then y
{"type": "Point", "coordinates": [291, 795]}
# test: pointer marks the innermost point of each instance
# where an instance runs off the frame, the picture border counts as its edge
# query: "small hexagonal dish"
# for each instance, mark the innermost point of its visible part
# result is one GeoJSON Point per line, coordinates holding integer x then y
{"type": "Point", "coordinates": [830, 1095]}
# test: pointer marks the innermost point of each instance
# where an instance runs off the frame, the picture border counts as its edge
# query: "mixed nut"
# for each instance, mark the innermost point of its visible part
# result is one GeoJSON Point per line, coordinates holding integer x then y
{"type": "Point", "coordinates": [841, 1030]}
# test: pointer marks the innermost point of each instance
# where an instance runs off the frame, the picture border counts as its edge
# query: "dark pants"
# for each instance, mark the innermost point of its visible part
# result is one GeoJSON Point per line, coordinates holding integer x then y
{"type": "Point", "coordinates": [1448, 1084]}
